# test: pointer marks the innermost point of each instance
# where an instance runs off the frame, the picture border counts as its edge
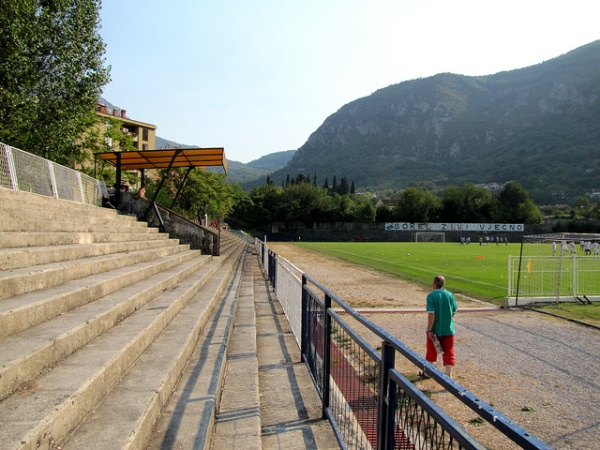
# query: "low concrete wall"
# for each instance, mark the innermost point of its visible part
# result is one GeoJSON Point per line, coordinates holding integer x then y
{"type": "Point", "coordinates": [197, 236]}
{"type": "Point", "coordinates": [359, 231]}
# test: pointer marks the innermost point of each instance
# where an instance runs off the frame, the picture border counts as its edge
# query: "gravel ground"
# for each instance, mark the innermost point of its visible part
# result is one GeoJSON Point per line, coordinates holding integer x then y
{"type": "Point", "coordinates": [541, 372]}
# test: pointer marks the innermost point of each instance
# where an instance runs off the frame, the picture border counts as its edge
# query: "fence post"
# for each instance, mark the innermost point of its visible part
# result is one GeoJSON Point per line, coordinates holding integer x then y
{"type": "Point", "coordinates": [14, 182]}
{"type": "Point", "coordinates": [274, 269]}
{"type": "Point", "coordinates": [385, 416]}
{"type": "Point", "coordinates": [326, 354]}
{"type": "Point", "coordinates": [574, 275]}
{"type": "Point", "coordinates": [52, 179]}
{"type": "Point", "coordinates": [303, 320]}
{"type": "Point", "coordinates": [519, 272]}
{"type": "Point", "coordinates": [559, 276]}
{"type": "Point", "coordinates": [271, 268]}
{"type": "Point", "coordinates": [510, 276]}
{"type": "Point", "coordinates": [80, 185]}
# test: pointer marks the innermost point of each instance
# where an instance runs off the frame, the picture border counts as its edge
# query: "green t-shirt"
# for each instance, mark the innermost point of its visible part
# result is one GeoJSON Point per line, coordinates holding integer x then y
{"type": "Point", "coordinates": [442, 303]}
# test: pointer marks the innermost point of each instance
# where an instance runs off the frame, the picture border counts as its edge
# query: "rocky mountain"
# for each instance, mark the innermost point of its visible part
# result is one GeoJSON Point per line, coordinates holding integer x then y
{"type": "Point", "coordinates": [238, 172]}
{"type": "Point", "coordinates": [272, 161]}
{"type": "Point", "coordinates": [166, 143]}
{"type": "Point", "coordinates": [538, 125]}
{"type": "Point", "coordinates": [255, 172]}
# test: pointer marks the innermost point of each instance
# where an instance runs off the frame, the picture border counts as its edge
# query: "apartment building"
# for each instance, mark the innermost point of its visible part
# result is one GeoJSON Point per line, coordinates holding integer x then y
{"type": "Point", "coordinates": [144, 134]}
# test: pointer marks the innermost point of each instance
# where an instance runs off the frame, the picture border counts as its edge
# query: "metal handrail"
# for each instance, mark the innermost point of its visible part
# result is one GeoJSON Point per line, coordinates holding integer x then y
{"type": "Point", "coordinates": [315, 353]}
{"type": "Point", "coordinates": [154, 207]}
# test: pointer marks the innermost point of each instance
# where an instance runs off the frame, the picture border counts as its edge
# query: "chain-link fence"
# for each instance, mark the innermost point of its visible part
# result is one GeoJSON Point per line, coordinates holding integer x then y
{"type": "Point", "coordinates": [22, 171]}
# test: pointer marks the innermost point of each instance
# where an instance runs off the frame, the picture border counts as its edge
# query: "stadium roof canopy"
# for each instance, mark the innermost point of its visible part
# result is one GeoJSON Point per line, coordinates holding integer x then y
{"type": "Point", "coordinates": [166, 158]}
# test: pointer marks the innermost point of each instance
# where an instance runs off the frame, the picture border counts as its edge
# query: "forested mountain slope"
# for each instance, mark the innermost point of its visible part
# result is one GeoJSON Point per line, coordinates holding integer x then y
{"type": "Point", "coordinates": [538, 125]}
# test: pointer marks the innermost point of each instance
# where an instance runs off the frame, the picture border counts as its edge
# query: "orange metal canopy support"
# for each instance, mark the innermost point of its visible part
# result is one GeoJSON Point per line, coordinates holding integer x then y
{"type": "Point", "coordinates": [162, 159]}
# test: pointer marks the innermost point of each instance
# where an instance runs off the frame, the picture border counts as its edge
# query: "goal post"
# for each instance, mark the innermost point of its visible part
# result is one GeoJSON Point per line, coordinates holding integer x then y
{"type": "Point", "coordinates": [562, 272]}
{"type": "Point", "coordinates": [429, 236]}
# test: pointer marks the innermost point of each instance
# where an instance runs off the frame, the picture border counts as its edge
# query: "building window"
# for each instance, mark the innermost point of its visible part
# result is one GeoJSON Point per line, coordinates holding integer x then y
{"type": "Point", "coordinates": [144, 146]}
{"type": "Point", "coordinates": [145, 134]}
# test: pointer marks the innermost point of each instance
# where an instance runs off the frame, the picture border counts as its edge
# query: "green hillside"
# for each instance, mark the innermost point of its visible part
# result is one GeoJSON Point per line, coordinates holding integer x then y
{"type": "Point", "coordinates": [539, 125]}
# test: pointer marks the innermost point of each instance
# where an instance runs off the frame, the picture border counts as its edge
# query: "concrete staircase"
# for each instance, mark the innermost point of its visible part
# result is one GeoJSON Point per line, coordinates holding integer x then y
{"type": "Point", "coordinates": [101, 319]}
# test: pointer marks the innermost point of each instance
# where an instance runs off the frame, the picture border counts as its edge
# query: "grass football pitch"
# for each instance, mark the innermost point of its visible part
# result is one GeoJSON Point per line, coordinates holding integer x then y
{"type": "Point", "coordinates": [478, 271]}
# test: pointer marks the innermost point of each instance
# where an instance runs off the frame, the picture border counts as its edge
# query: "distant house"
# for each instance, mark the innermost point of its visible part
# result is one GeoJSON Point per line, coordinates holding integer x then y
{"type": "Point", "coordinates": [390, 203]}
{"type": "Point", "coordinates": [144, 134]}
{"type": "Point", "coordinates": [493, 187]}
{"type": "Point", "coordinates": [595, 194]}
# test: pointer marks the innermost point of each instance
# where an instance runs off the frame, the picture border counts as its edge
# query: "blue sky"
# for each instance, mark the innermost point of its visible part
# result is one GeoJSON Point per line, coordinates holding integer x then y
{"type": "Point", "coordinates": [259, 76]}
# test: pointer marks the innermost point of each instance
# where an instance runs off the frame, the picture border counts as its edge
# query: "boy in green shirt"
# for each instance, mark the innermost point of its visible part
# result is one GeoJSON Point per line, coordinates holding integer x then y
{"type": "Point", "coordinates": [441, 307]}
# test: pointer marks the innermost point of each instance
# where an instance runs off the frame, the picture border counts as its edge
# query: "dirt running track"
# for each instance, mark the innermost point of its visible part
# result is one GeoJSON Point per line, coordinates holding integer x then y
{"type": "Point", "coordinates": [541, 372]}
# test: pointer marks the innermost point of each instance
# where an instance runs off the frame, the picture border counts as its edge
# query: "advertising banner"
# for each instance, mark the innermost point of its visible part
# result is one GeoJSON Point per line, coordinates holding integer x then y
{"type": "Point", "coordinates": [445, 226]}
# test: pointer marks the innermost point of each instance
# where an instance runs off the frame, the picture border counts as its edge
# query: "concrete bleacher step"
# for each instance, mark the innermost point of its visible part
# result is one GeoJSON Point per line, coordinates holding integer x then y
{"type": "Point", "coordinates": [80, 219]}
{"type": "Point", "coordinates": [38, 347]}
{"type": "Point", "coordinates": [268, 399]}
{"type": "Point", "coordinates": [186, 347]}
{"type": "Point", "coordinates": [58, 401]}
{"type": "Point", "coordinates": [29, 279]}
{"type": "Point", "coordinates": [28, 220]}
{"type": "Point", "coordinates": [39, 239]}
{"type": "Point", "coordinates": [237, 422]}
{"type": "Point", "coordinates": [22, 211]}
{"type": "Point", "coordinates": [84, 224]}
{"type": "Point", "coordinates": [23, 311]}
{"type": "Point", "coordinates": [98, 309]}
{"type": "Point", "coordinates": [220, 381]}
{"type": "Point", "coordinates": [16, 258]}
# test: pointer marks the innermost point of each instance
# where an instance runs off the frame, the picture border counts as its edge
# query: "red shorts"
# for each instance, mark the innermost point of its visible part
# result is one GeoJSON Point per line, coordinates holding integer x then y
{"type": "Point", "coordinates": [447, 343]}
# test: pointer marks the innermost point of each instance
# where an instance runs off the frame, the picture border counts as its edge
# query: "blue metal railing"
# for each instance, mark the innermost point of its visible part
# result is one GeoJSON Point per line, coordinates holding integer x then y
{"type": "Point", "coordinates": [369, 403]}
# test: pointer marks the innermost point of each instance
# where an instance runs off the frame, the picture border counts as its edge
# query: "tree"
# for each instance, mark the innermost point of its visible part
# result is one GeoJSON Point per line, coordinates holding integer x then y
{"type": "Point", "coordinates": [266, 200]}
{"type": "Point", "coordinates": [104, 138]}
{"type": "Point", "coordinates": [306, 203]}
{"type": "Point", "coordinates": [417, 205]}
{"type": "Point", "coordinates": [384, 214]}
{"type": "Point", "coordinates": [202, 193]}
{"type": "Point", "coordinates": [582, 206]}
{"type": "Point", "coordinates": [301, 178]}
{"type": "Point", "coordinates": [344, 188]}
{"type": "Point", "coordinates": [364, 210]}
{"type": "Point", "coordinates": [467, 203]}
{"type": "Point", "coordinates": [515, 205]}
{"type": "Point", "coordinates": [51, 74]}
